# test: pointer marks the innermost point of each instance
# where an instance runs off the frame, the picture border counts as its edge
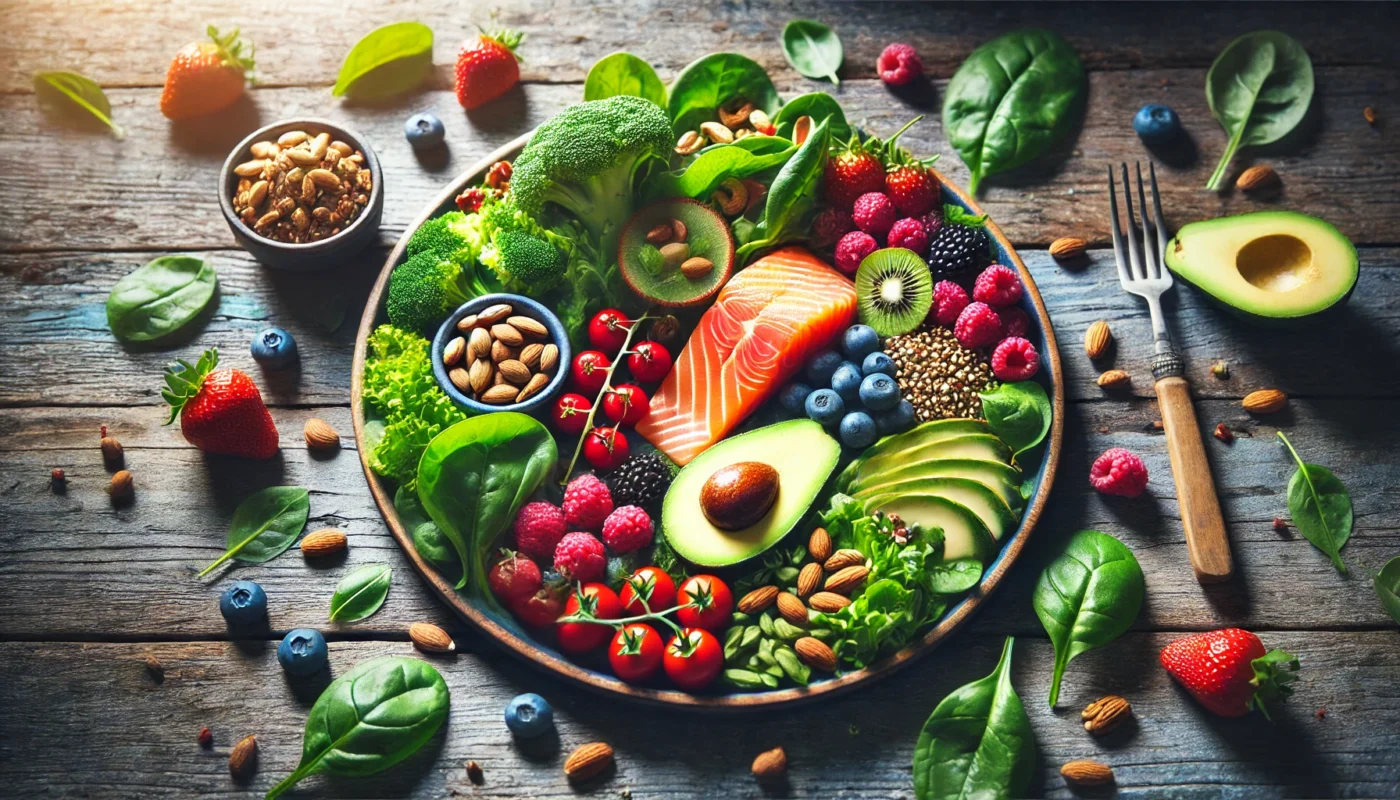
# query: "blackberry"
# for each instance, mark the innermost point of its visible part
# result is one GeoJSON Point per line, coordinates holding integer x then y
{"type": "Point", "coordinates": [957, 249]}
{"type": "Point", "coordinates": [641, 480]}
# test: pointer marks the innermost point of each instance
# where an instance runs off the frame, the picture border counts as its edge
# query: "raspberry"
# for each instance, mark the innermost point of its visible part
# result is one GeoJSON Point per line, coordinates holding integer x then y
{"type": "Point", "coordinates": [997, 286]}
{"type": "Point", "coordinates": [830, 226]}
{"type": "Point", "coordinates": [627, 529]}
{"type": "Point", "coordinates": [538, 528]}
{"type": "Point", "coordinates": [579, 557]}
{"type": "Point", "coordinates": [587, 502]}
{"type": "Point", "coordinates": [1014, 321]}
{"type": "Point", "coordinates": [949, 300]}
{"type": "Point", "coordinates": [1015, 359]}
{"type": "Point", "coordinates": [873, 213]}
{"type": "Point", "coordinates": [899, 64]}
{"type": "Point", "coordinates": [852, 249]}
{"type": "Point", "coordinates": [977, 326]}
{"type": "Point", "coordinates": [909, 233]}
{"type": "Point", "coordinates": [1119, 472]}
{"type": "Point", "coordinates": [514, 578]}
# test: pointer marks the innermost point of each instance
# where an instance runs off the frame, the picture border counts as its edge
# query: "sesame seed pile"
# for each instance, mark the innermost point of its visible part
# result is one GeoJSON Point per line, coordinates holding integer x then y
{"type": "Point", "coordinates": [939, 376]}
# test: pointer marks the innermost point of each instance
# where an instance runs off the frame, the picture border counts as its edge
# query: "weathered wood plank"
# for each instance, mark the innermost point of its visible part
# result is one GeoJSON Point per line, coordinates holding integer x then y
{"type": "Point", "coordinates": [134, 43]}
{"type": "Point", "coordinates": [1328, 740]}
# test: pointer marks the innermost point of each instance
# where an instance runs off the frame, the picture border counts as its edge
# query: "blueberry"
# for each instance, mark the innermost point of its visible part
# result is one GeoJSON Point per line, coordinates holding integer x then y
{"type": "Point", "coordinates": [529, 715]}
{"type": "Point", "coordinates": [857, 430]}
{"type": "Point", "coordinates": [878, 362]}
{"type": "Point", "coordinates": [274, 347]}
{"type": "Point", "coordinates": [424, 131]}
{"type": "Point", "coordinates": [302, 652]}
{"type": "Point", "coordinates": [879, 392]}
{"type": "Point", "coordinates": [794, 397]}
{"type": "Point", "coordinates": [1155, 123]}
{"type": "Point", "coordinates": [896, 420]}
{"type": "Point", "coordinates": [846, 382]}
{"type": "Point", "coordinates": [821, 367]}
{"type": "Point", "coordinates": [243, 605]}
{"type": "Point", "coordinates": [859, 342]}
{"type": "Point", "coordinates": [825, 406]}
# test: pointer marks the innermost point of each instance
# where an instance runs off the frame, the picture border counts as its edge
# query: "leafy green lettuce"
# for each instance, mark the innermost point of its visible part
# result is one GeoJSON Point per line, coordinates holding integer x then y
{"type": "Point", "coordinates": [399, 387]}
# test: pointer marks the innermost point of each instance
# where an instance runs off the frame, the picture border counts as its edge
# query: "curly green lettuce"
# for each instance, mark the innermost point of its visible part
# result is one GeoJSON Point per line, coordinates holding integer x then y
{"type": "Point", "coordinates": [399, 387]}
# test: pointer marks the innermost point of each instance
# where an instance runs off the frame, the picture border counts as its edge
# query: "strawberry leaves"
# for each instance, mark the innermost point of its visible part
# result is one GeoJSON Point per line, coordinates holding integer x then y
{"type": "Point", "coordinates": [1320, 507]}
{"type": "Point", "coordinates": [183, 381]}
{"type": "Point", "coordinates": [63, 91]}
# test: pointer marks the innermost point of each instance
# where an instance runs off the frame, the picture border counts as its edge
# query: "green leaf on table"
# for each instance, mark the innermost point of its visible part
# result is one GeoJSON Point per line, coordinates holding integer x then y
{"type": "Point", "coordinates": [160, 298]}
{"type": "Point", "coordinates": [1259, 89]}
{"type": "Point", "coordinates": [361, 593]}
{"type": "Point", "coordinates": [622, 73]}
{"type": "Point", "coordinates": [718, 78]}
{"type": "Point", "coordinates": [978, 742]}
{"type": "Point", "coordinates": [62, 91]}
{"type": "Point", "coordinates": [388, 61]}
{"type": "Point", "coordinates": [1087, 597]}
{"type": "Point", "coordinates": [1320, 507]}
{"type": "Point", "coordinates": [821, 107]}
{"type": "Point", "coordinates": [1388, 588]}
{"type": "Point", "coordinates": [813, 49]}
{"type": "Point", "coordinates": [1019, 414]}
{"type": "Point", "coordinates": [371, 718]}
{"type": "Point", "coordinates": [265, 525]}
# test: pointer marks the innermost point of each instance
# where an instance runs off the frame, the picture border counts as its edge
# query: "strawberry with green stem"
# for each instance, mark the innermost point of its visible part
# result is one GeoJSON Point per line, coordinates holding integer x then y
{"type": "Point", "coordinates": [220, 410]}
{"type": "Point", "coordinates": [860, 167]}
{"type": "Point", "coordinates": [487, 67]}
{"type": "Point", "coordinates": [1229, 671]}
{"type": "Point", "coordinates": [205, 77]}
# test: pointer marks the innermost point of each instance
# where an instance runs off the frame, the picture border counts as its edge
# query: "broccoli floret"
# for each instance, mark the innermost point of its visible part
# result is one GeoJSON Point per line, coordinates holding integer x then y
{"type": "Point", "coordinates": [454, 236]}
{"type": "Point", "coordinates": [425, 289]}
{"type": "Point", "coordinates": [526, 257]}
{"type": "Point", "coordinates": [585, 161]}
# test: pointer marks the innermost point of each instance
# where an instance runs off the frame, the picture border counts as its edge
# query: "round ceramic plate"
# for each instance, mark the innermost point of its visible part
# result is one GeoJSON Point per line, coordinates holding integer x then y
{"type": "Point", "coordinates": [516, 639]}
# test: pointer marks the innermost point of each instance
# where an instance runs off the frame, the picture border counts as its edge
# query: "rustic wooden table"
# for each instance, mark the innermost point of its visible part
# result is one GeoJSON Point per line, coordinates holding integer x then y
{"type": "Point", "coordinates": [89, 591]}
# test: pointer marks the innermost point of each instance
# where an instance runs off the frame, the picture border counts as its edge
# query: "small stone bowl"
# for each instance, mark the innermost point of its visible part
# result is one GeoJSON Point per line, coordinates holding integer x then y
{"type": "Point", "coordinates": [523, 306]}
{"type": "Point", "coordinates": [330, 252]}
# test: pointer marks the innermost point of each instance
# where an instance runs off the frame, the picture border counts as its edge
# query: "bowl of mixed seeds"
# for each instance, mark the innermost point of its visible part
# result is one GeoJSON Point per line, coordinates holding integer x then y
{"type": "Point", "coordinates": [302, 194]}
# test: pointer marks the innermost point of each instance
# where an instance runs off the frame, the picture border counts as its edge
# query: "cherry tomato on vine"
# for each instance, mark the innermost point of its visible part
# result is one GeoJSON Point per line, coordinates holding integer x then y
{"type": "Point", "coordinates": [605, 448]}
{"type": "Point", "coordinates": [635, 652]}
{"type": "Point", "coordinates": [693, 659]}
{"type": "Point", "coordinates": [608, 329]}
{"type": "Point", "coordinates": [626, 404]}
{"type": "Point", "coordinates": [649, 361]}
{"type": "Point", "coordinates": [542, 608]}
{"type": "Point", "coordinates": [651, 584]}
{"type": "Point", "coordinates": [571, 413]}
{"type": "Point", "coordinates": [714, 603]}
{"type": "Point", "coordinates": [589, 371]}
{"type": "Point", "coordinates": [602, 603]}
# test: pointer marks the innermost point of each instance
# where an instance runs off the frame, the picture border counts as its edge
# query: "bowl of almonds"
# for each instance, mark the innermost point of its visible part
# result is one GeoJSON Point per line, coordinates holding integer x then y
{"type": "Point", "coordinates": [501, 352]}
{"type": "Point", "coordinates": [302, 194]}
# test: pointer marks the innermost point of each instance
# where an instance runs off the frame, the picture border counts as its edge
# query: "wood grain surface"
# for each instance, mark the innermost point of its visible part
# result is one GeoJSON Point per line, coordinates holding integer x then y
{"type": "Point", "coordinates": [88, 591]}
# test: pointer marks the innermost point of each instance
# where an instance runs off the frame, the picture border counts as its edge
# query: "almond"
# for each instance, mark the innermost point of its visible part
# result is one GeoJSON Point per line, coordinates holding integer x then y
{"type": "Point", "coordinates": [549, 358]}
{"type": "Point", "coordinates": [111, 451]}
{"type": "Point", "coordinates": [323, 542]}
{"type": "Point", "coordinates": [493, 314]}
{"type": "Point", "coordinates": [454, 351]}
{"type": "Point", "coordinates": [1105, 714]}
{"type": "Point", "coordinates": [674, 254]}
{"type": "Point", "coordinates": [717, 132]}
{"type": "Point", "coordinates": [465, 324]}
{"type": "Point", "coordinates": [1086, 773]}
{"type": "Point", "coordinates": [500, 351]}
{"type": "Point", "coordinates": [461, 378]}
{"type": "Point", "coordinates": [1097, 340]}
{"type": "Point", "coordinates": [430, 638]}
{"type": "Point", "coordinates": [500, 394]}
{"type": "Point", "coordinates": [828, 602]}
{"type": "Point", "coordinates": [535, 385]}
{"type": "Point", "coordinates": [696, 268]}
{"type": "Point", "coordinates": [679, 228]}
{"type": "Point", "coordinates": [479, 345]}
{"type": "Point", "coordinates": [758, 599]}
{"type": "Point", "coordinates": [792, 608]}
{"type": "Point", "coordinates": [815, 653]}
{"type": "Point", "coordinates": [320, 435]}
{"type": "Point", "coordinates": [530, 354]}
{"type": "Point", "coordinates": [1114, 379]}
{"type": "Point", "coordinates": [844, 558]}
{"type": "Point", "coordinates": [588, 761]}
{"type": "Point", "coordinates": [529, 326]}
{"type": "Point", "coordinates": [479, 375]}
{"type": "Point", "coordinates": [122, 487]}
{"type": "Point", "coordinates": [243, 761]}
{"type": "Point", "coordinates": [1264, 401]}
{"type": "Point", "coordinates": [661, 234]}
{"type": "Point", "coordinates": [845, 579]}
{"type": "Point", "coordinates": [1260, 176]}
{"type": "Point", "coordinates": [1067, 248]}
{"type": "Point", "coordinates": [809, 579]}
{"type": "Point", "coordinates": [514, 371]}
{"type": "Point", "coordinates": [819, 545]}
{"type": "Point", "coordinates": [770, 765]}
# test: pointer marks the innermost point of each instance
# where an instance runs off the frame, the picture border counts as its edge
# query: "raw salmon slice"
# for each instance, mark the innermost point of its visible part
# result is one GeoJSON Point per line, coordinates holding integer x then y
{"type": "Point", "coordinates": [766, 323]}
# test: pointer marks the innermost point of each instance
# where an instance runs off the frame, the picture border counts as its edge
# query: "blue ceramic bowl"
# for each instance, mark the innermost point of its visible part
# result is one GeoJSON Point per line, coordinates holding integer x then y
{"type": "Point", "coordinates": [522, 306]}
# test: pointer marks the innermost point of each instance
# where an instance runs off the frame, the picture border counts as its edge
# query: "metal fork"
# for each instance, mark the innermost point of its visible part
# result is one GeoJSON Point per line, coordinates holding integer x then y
{"type": "Point", "coordinates": [1142, 271]}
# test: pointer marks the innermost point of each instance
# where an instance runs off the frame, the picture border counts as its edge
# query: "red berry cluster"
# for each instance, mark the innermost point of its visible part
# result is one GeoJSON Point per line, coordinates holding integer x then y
{"type": "Point", "coordinates": [990, 319]}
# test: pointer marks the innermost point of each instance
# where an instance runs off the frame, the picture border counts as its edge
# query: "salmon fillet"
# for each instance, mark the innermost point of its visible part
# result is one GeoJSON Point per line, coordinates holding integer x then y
{"type": "Point", "coordinates": [766, 323]}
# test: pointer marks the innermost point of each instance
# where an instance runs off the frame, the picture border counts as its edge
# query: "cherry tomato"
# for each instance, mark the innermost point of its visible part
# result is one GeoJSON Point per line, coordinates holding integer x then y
{"type": "Point", "coordinates": [651, 584]}
{"type": "Point", "coordinates": [542, 608]}
{"type": "Point", "coordinates": [693, 659]}
{"type": "Point", "coordinates": [715, 603]}
{"type": "Point", "coordinates": [571, 413]}
{"type": "Point", "coordinates": [626, 404]}
{"type": "Point", "coordinates": [605, 448]}
{"type": "Point", "coordinates": [589, 371]}
{"type": "Point", "coordinates": [635, 652]}
{"type": "Point", "coordinates": [649, 362]}
{"type": "Point", "coordinates": [602, 603]}
{"type": "Point", "coordinates": [608, 330]}
{"type": "Point", "coordinates": [514, 578]}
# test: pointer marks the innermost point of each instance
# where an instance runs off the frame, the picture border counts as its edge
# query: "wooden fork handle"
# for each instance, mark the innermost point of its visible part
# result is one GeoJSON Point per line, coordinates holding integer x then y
{"type": "Point", "coordinates": [1206, 541]}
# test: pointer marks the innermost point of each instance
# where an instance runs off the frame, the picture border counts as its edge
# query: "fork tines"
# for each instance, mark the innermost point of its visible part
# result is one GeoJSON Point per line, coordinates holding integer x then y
{"type": "Point", "coordinates": [1142, 260]}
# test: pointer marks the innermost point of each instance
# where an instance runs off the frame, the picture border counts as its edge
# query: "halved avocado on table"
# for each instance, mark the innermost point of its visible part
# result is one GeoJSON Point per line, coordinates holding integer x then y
{"type": "Point", "coordinates": [1003, 479]}
{"type": "Point", "coordinates": [1268, 266]}
{"type": "Point", "coordinates": [996, 516]}
{"type": "Point", "coordinates": [964, 535]}
{"type": "Point", "coordinates": [707, 236]}
{"type": "Point", "coordinates": [803, 456]}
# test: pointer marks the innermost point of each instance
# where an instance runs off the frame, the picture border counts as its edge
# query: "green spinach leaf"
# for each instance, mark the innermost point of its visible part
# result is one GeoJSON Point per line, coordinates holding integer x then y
{"type": "Point", "coordinates": [1019, 414]}
{"type": "Point", "coordinates": [978, 742]}
{"type": "Point", "coordinates": [791, 197]}
{"type": "Point", "coordinates": [428, 538]}
{"type": "Point", "coordinates": [474, 477]}
{"type": "Point", "coordinates": [160, 298]}
{"type": "Point", "coordinates": [1320, 507]}
{"type": "Point", "coordinates": [1011, 101]}
{"type": "Point", "coordinates": [361, 593]}
{"type": "Point", "coordinates": [715, 80]}
{"type": "Point", "coordinates": [1087, 597]}
{"type": "Point", "coordinates": [954, 577]}
{"type": "Point", "coordinates": [388, 61]}
{"type": "Point", "coordinates": [622, 73]}
{"type": "Point", "coordinates": [813, 49]}
{"type": "Point", "coordinates": [371, 718]}
{"type": "Point", "coordinates": [821, 107]}
{"type": "Point", "coordinates": [1388, 588]}
{"type": "Point", "coordinates": [1259, 89]}
{"type": "Point", "coordinates": [265, 525]}
{"type": "Point", "coordinates": [58, 92]}
{"type": "Point", "coordinates": [700, 178]}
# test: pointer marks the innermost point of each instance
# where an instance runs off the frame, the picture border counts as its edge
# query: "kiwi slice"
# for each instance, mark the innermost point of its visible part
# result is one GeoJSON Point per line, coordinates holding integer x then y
{"type": "Point", "coordinates": [660, 280]}
{"type": "Point", "coordinates": [894, 291]}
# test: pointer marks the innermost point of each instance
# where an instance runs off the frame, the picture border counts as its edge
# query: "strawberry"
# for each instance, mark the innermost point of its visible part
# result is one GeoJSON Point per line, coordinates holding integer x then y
{"type": "Point", "coordinates": [206, 76]}
{"type": "Point", "coordinates": [854, 171]}
{"type": "Point", "coordinates": [1229, 671]}
{"type": "Point", "coordinates": [912, 188]}
{"type": "Point", "coordinates": [487, 68]}
{"type": "Point", "coordinates": [220, 410]}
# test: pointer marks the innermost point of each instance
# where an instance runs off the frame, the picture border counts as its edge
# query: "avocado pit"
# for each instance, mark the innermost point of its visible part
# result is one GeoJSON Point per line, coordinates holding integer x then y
{"type": "Point", "coordinates": [739, 495]}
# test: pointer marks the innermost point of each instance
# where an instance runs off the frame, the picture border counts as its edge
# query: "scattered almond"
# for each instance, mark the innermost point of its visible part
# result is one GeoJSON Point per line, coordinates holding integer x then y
{"type": "Point", "coordinates": [815, 653]}
{"type": "Point", "coordinates": [154, 668]}
{"type": "Point", "coordinates": [1067, 248]}
{"type": "Point", "coordinates": [674, 254]}
{"type": "Point", "coordinates": [758, 599]}
{"type": "Point", "coordinates": [474, 773]}
{"type": "Point", "coordinates": [549, 358]}
{"type": "Point", "coordinates": [454, 351]}
{"type": "Point", "coordinates": [1114, 379]}
{"type": "Point", "coordinates": [1086, 773]}
{"type": "Point", "coordinates": [819, 545]}
{"type": "Point", "coordinates": [479, 345]}
{"type": "Point", "coordinates": [462, 378]}
{"type": "Point", "coordinates": [323, 542]}
{"type": "Point", "coordinates": [320, 435]}
{"type": "Point", "coordinates": [1260, 176]}
{"type": "Point", "coordinates": [111, 450]}
{"type": "Point", "coordinates": [792, 608]}
{"type": "Point", "coordinates": [243, 761]}
{"type": "Point", "coordinates": [1097, 340]}
{"type": "Point", "coordinates": [845, 579]}
{"type": "Point", "coordinates": [770, 765]}
{"type": "Point", "coordinates": [1264, 401]}
{"type": "Point", "coordinates": [122, 487]}
{"type": "Point", "coordinates": [828, 602]}
{"type": "Point", "coordinates": [514, 371]}
{"type": "Point", "coordinates": [530, 355]}
{"type": "Point", "coordinates": [696, 267]}
{"type": "Point", "coordinates": [1105, 714]}
{"type": "Point", "coordinates": [842, 559]}
{"type": "Point", "coordinates": [809, 579]}
{"type": "Point", "coordinates": [465, 324]}
{"type": "Point", "coordinates": [588, 761]}
{"type": "Point", "coordinates": [430, 638]}
{"type": "Point", "coordinates": [1369, 114]}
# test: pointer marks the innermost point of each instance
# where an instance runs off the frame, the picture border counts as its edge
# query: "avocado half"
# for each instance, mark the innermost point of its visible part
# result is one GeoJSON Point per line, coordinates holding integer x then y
{"type": "Point", "coordinates": [1273, 267]}
{"type": "Point", "coordinates": [803, 455]}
